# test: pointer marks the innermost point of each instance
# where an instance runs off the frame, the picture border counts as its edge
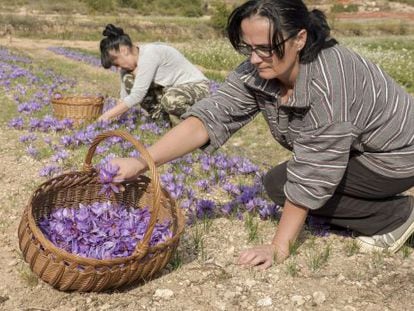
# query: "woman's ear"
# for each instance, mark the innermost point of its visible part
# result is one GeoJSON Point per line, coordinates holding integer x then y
{"type": "Point", "coordinates": [300, 39]}
{"type": "Point", "coordinates": [124, 50]}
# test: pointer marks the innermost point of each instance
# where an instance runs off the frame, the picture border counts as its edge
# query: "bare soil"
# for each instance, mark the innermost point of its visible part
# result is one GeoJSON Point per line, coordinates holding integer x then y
{"type": "Point", "coordinates": [207, 279]}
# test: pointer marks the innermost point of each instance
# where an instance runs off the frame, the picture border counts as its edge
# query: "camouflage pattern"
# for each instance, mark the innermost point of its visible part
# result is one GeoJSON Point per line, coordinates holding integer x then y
{"type": "Point", "coordinates": [169, 103]}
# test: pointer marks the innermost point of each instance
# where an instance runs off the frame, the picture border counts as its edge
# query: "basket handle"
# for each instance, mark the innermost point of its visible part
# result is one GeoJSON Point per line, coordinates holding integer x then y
{"type": "Point", "coordinates": [142, 248]}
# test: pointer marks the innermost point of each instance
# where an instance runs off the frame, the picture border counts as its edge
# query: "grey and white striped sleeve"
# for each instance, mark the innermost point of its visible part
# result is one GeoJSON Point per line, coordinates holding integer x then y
{"type": "Point", "coordinates": [232, 107]}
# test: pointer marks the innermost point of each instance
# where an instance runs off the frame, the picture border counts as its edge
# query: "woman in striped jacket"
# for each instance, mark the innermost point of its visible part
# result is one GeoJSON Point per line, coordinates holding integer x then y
{"type": "Point", "coordinates": [349, 126]}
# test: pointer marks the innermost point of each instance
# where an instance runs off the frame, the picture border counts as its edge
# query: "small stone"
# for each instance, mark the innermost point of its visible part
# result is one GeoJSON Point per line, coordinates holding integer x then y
{"type": "Point", "coordinates": [196, 290]}
{"type": "Point", "coordinates": [105, 306]}
{"type": "Point", "coordinates": [319, 297]}
{"type": "Point", "coordinates": [297, 300]}
{"type": "Point", "coordinates": [340, 278]}
{"type": "Point", "coordinates": [3, 299]}
{"type": "Point", "coordinates": [250, 283]}
{"type": "Point", "coordinates": [349, 308]}
{"type": "Point", "coordinates": [164, 293]}
{"type": "Point", "coordinates": [230, 251]}
{"type": "Point", "coordinates": [230, 295]}
{"type": "Point", "coordinates": [12, 263]}
{"type": "Point", "coordinates": [265, 302]}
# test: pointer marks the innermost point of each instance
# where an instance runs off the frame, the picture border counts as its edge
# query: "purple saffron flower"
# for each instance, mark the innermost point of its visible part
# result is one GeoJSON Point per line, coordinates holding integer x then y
{"type": "Point", "coordinates": [49, 171]}
{"type": "Point", "coordinates": [228, 208]}
{"type": "Point", "coordinates": [16, 123]}
{"type": "Point", "coordinates": [60, 155]}
{"type": "Point", "coordinates": [28, 138]}
{"type": "Point", "coordinates": [203, 184]}
{"type": "Point", "coordinates": [205, 209]}
{"type": "Point", "coordinates": [231, 189]}
{"type": "Point", "coordinates": [107, 172]}
{"type": "Point", "coordinates": [270, 210]}
{"type": "Point", "coordinates": [32, 151]}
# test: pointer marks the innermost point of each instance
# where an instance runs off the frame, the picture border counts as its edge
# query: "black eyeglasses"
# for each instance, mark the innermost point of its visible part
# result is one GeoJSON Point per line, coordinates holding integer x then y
{"type": "Point", "coordinates": [262, 51]}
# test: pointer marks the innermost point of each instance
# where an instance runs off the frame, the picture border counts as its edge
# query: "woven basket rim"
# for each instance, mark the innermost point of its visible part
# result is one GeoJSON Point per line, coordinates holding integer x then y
{"type": "Point", "coordinates": [87, 261]}
{"type": "Point", "coordinates": [74, 100]}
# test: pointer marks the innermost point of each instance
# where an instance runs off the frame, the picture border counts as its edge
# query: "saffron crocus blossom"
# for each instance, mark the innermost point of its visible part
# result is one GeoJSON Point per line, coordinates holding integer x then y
{"type": "Point", "coordinates": [205, 209]}
{"type": "Point", "coordinates": [214, 86]}
{"type": "Point", "coordinates": [107, 172]}
{"type": "Point", "coordinates": [17, 123]}
{"type": "Point", "coordinates": [49, 170]}
{"type": "Point", "coordinates": [101, 230]}
{"type": "Point", "coordinates": [32, 151]}
{"type": "Point", "coordinates": [318, 225]}
{"type": "Point", "coordinates": [270, 210]}
{"type": "Point", "coordinates": [27, 138]}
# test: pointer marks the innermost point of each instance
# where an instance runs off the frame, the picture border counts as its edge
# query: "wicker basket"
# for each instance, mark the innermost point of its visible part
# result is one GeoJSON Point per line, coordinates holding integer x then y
{"type": "Point", "coordinates": [81, 109]}
{"type": "Point", "coordinates": [69, 272]}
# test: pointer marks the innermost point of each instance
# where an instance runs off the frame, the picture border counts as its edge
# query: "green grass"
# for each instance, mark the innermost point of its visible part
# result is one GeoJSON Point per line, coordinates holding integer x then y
{"type": "Point", "coordinates": [292, 267]}
{"type": "Point", "coordinates": [252, 227]}
{"type": "Point", "coordinates": [351, 247]}
{"type": "Point", "coordinates": [318, 258]}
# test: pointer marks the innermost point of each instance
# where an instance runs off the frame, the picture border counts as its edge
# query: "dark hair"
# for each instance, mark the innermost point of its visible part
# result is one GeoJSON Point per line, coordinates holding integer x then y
{"type": "Point", "coordinates": [115, 37]}
{"type": "Point", "coordinates": [287, 18]}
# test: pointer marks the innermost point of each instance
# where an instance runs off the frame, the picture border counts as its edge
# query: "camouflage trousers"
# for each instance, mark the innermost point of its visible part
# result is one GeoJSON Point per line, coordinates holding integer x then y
{"type": "Point", "coordinates": [169, 103]}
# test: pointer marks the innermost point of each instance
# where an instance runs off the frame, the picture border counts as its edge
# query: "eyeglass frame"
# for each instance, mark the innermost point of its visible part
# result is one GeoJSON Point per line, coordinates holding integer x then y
{"type": "Point", "coordinates": [267, 51]}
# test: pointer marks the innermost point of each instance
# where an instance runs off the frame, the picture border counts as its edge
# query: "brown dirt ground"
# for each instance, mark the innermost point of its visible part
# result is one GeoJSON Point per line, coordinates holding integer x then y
{"type": "Point", "coordinates": [208, 279]}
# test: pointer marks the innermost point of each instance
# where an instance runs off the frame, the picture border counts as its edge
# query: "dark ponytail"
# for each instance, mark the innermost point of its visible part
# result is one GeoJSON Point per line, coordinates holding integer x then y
{"type": "Point", "coordinates": [287, 18]}
{"type": "Point", "coordinates": [115, 37]}
{"type": "Point", "coordinates": [318, 36]}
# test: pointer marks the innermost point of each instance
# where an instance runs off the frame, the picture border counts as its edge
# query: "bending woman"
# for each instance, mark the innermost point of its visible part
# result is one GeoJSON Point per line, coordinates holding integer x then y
{"type": "Point", "coordinates": [155, 76]}
{"type": "Point", "coordinates": [349, 125]}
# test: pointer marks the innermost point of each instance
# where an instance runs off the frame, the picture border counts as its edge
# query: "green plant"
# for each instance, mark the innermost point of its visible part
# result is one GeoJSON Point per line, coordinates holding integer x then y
{"type": "Point", "coordinates": [292, 267]}
{"type": "Point", "coordinates": [340, 8]}
{"type": "Point", "coordinates": [221, 12]}
{"type": "Point", "coordinates": [207, 222]}
{"type": "Point", "coordinates": [252, 227]}
{"type": "Point", "coordinates": [406, 251]}
{"type": "Point", "coordinates": [197, 237]}
{"type": "Point", "coordinates": [377, 259]}
{"type": "Point", "coordinates": [293, 248]}
{"type": "Point", "coordinates": [176, 262]}
{"type": "Point", "coordinates": [28, 276]}
{"type": "Point", "coordinates": [351, 247]}
{"type": "Point", "coordinates": [101, 5]}
{"type": "Point", "coordinates": [318, 258]}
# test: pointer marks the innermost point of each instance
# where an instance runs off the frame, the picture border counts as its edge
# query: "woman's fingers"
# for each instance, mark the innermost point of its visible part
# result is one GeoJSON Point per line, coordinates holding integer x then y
{"type": "Point", "coordinates": [261, 257]}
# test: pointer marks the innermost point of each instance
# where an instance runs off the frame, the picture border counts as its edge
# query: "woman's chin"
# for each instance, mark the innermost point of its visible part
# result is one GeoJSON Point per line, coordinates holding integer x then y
{"type": "Point", "coordinates": [266, 74]}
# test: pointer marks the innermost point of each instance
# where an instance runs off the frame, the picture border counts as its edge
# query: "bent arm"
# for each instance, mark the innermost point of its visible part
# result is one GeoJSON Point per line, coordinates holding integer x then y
{"type": "Point", "coordinates": [180, 140]}
{"type": "Point", "coordinates": [290, 225]}
{"type": "Point", "coordinates": [114, 112]}
{"type": "Point", "coordinates": [186, 137]}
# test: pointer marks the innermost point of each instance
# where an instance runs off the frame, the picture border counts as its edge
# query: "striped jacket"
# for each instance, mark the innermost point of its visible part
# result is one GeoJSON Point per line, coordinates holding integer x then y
{"type": "Point", "coordinates": [342, 105]}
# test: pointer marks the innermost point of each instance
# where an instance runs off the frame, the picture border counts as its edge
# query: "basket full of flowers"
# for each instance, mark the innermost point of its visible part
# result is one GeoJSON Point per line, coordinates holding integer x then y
{"type": "Point", "coordinates": [77, 238]}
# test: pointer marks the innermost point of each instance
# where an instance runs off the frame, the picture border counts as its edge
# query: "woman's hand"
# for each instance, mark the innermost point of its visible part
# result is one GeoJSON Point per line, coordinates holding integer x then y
{"type": "Point", "coordinates": [114, 112]}
{"type": "Point", "coordinates": [290, 225]}
{"type": "Point", "coordinates": [262, 256]}
{"type": "Point", "coordinates": [104, 118]}
{"type": "Point", "coordinates": [129, 168]}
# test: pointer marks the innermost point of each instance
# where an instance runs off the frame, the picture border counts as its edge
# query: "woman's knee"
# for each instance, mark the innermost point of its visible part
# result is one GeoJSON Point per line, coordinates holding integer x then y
{"type": "Point", "coordinates": [175, 103]}
{"type": "Point", "coordinates": [274, 181]}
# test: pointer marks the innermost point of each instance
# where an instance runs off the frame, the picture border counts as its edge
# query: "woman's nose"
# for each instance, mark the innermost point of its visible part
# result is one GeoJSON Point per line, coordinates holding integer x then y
{"type": "Point", "coordinates": [254, 58]}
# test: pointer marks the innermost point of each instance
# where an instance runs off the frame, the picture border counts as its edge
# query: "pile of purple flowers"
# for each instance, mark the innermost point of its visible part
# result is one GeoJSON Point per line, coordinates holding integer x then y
{"type": "Point", "coordinates": [101, 230]}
